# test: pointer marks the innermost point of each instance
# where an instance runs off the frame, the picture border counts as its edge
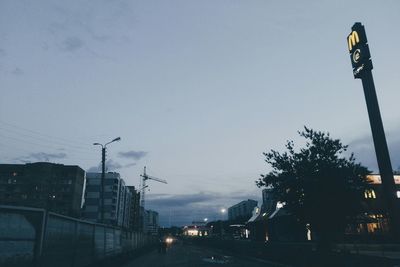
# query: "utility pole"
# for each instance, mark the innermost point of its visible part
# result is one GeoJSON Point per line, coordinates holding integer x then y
{"type": "Point", "coordinates": [103, 174]}
{"type": "Point", "coordinates": [362, 65]}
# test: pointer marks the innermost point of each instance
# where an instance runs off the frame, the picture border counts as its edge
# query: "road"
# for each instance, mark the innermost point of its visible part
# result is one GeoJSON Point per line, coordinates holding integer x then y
{"type": "Point", "coordinates": [183, 254]}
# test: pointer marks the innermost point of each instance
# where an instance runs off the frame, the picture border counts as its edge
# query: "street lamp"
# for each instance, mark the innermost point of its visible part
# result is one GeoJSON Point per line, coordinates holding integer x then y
{"type": "Point", "coordinates": [223, 210]}
{"type": "Point", "coordinates": [103, 171]}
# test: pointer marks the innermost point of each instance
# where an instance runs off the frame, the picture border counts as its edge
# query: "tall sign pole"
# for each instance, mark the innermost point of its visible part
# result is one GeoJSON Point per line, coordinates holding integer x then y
{"type": "Point", "coordinates": [103, 177]}
{"type": "Point", "coordinates": [362, 65]}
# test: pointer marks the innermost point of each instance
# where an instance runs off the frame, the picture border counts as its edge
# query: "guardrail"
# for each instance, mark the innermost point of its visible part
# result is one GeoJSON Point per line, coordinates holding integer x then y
{"type": "Point", "coordinates": [35, 237]}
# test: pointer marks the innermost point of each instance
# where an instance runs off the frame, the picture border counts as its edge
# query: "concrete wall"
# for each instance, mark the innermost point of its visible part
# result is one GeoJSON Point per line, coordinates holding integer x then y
{"type": "Point", "coordinates": [34, 237]}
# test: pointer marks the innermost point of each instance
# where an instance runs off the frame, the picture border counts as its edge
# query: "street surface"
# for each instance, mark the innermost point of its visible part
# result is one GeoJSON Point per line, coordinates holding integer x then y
{"type": "Point", "coordinates": [183, 254]}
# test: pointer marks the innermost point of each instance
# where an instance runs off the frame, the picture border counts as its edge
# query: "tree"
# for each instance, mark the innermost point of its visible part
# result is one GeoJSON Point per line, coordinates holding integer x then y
{"type": "Point", "coordinates": [318, 184]}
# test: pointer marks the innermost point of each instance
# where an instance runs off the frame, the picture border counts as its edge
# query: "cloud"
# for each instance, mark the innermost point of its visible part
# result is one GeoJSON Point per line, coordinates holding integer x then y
{"type": "Point", "coordinates": [136, 155]}
{"type": "Point", "coordinates": [110, 166]}
{"type": "Point", "coordinates": [41, 156]}
{"type": "Point", "coordinates": [17, 71]}
{"type": "Point", "coordinates": [91, 24]}
{"type": "Point", "coordinates": [72, 44]}
{"type": "Point", "coordinates": [183, 209]}
{"type": "Point", "coordinates": [364, 150]}
{"type": "Point", "coordinates": [129, 165]}
{"type": "Point", "coordinates": [182, 200]}
{"type": "Point", "coordinates": [94, 169]}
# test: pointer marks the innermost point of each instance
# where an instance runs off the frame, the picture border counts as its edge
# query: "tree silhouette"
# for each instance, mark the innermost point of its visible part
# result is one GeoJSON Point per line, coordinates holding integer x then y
{"type": "Point", "coordinates": [318, 184]}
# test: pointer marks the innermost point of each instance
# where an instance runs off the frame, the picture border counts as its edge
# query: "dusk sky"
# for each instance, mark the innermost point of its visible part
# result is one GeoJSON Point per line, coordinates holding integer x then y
{"type": "Point", "coordinates": [197, 90]}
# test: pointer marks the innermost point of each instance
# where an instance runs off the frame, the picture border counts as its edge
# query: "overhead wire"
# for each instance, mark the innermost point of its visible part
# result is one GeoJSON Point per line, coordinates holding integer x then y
{"type": "Point", "coordinates": [44, 139]}
{"type": "Point", "coordinates": [60, 139]}
{"type": "Point", "coordinates": [27, 136]}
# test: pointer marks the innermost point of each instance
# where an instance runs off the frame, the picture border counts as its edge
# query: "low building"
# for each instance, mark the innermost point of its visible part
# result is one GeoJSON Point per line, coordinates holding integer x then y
{"type": "Point", "coordinates": [196, 231]}
{"type": "Point", "coordinates": [268, 200]}
{"type": "Point", "coordinates": [374, 221]}
{"type": "Point", "coordinates": [242, 210]}
{"type": "Point", "coordinates": [117, 199]}
{"type": "Point", "coordinates": [257, 225]}
{"type": "Point", "coordinates": [54, 187]}
{"type": "Point", "coordinates": [372, 224]}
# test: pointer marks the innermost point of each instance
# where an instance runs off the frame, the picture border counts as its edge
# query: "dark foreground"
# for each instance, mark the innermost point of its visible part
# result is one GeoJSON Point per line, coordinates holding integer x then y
{"type": "Point", "coordinates": [185, 254]}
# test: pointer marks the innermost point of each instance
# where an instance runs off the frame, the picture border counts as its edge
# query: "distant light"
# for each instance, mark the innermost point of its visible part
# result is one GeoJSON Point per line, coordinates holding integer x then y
{"type": "Point", "coordinates": [192, 232]}
{"type": "Point", "coordinates": [205, 219]}
{"type": "Point", "coordinates": [398, 194]}
{"type": "Point", "coordinates": [223, 210]}
{"type": "Point", "coordinates": [280, 205]}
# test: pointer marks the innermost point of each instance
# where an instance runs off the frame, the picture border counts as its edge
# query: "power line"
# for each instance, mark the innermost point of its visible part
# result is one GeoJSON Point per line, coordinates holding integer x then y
{"type": "Point", "coordinates": [43, 141]}
{"type": "Point", "coordinates": [60, 139]}
{"type": "Point", "coordinates": [18, 141]}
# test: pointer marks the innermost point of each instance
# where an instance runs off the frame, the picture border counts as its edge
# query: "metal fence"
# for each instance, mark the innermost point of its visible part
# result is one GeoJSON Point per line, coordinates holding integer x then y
{"type": "Point", "coordinates": [35, 237]}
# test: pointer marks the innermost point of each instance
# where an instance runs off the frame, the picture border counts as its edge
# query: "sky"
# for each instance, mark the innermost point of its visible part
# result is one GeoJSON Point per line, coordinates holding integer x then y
{"type": "Point", "coordinates": [197, 90]}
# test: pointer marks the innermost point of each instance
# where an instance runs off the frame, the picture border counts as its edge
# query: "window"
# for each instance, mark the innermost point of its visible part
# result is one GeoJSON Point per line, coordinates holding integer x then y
{"type": "Point", "coordinates": [93, 194]}
{"type": "Point", "coordinates": [369, 193]}
{"type": "Point", "coordinates": [92, 208]}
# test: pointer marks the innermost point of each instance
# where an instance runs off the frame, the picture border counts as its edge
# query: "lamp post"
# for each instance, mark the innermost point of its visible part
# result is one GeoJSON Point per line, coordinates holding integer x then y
{"type": "Point", "coordinates": [103, 172]}
{"type": "Point", "coordinates": [223, 210]}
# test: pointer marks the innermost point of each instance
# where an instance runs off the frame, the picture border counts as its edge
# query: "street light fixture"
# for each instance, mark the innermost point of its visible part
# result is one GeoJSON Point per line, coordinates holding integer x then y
{"type": "Point", "coordinates": [223, 210]}
{"type": "Point", "coordinates": [103, 171]}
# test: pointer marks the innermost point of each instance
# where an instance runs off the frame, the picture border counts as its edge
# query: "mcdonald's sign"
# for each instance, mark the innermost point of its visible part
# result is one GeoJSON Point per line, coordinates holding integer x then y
{"type": "Point", "coordinates": [353, 39]}
{"type": "Point", "coordinates": [359, 51]}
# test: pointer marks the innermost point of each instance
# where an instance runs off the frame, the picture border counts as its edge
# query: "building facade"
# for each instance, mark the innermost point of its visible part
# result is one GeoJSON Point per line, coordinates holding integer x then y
{"type": "Point", "coordinates": [134, 215]}
{"type": "Point", "coordinates": [376, 222]}
{"type": "Point", "coordinates": [54, 187]}
{"type": "Point", "coordinates": [242, 210]}
{"type": "Point", "coordinates": [117, 199]}
{"type": "Point", "coordinates": [268, 200]}
{"type": "Point", "coordinates": [152, 222]}
{"type": "Point", "coordinates": [371, 225]}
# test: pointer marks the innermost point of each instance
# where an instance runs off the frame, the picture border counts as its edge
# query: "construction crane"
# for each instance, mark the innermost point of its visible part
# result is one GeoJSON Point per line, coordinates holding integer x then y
{"type": "Point", "coordinates": [144, 186]}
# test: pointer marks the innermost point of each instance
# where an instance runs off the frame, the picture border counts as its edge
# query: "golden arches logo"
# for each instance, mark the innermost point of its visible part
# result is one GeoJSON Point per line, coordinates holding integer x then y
{"type": "Point", "coordinates": [353, 39]}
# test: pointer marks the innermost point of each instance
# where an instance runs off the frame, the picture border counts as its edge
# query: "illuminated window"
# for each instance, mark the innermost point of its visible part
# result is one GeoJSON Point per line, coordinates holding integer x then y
{"type": "Point", "coordinates": [369, 193]}
{"type": "Point", "coordinates": [398, 194]}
